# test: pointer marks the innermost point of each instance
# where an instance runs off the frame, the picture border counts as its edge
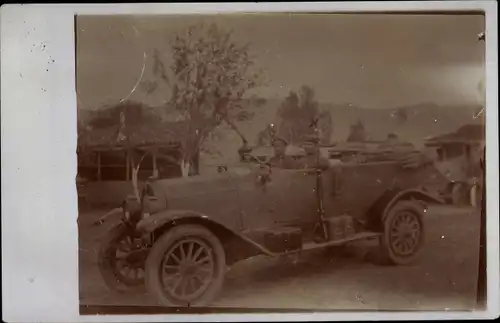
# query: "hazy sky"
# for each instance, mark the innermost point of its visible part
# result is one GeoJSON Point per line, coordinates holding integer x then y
{"type": "Point", "coordinates": [375, 61]}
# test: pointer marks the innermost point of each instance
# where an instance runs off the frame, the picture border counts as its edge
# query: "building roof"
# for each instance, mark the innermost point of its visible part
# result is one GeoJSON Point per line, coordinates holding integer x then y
{"type": "Point", "coordinates": [157, 133]}
{"type": "Point", "coordinates": [99, 128]}
{"type": "Point", "coordinates": [143, 127]}
{"type": "Point", "coordinates": [466, 133]}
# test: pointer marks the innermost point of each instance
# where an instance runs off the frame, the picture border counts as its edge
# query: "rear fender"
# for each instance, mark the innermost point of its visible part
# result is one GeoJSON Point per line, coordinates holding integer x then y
{"type": "Point", "coordinates": [379, 210]}
{"type": "Point", "coordinates": [416, 195]}
{"type": "Point", "coordinates": [237, 246]}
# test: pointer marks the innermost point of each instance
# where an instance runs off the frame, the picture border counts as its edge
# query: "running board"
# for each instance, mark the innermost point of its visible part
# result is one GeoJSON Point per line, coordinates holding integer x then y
{"type": "Point", "coordinates": [314, 245]}
{"type": "Point", "coordinates": [355, 237]}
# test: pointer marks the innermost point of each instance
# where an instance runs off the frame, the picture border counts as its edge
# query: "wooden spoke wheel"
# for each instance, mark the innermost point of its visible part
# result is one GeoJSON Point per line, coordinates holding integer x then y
{"type": "Point", "coordinates": [403, 235]}
{"type": "Point", "coordinates": [186, 267]}
{"type": "Point", "coordinates": [121, 260]}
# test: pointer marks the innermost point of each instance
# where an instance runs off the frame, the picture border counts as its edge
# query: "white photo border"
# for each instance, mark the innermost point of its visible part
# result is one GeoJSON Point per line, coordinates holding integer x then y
{"type": "Point", "coordinates": [39, 222]}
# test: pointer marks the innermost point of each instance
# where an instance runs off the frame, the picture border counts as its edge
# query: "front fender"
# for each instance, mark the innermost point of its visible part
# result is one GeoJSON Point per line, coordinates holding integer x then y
{"type": "Point", "coordinates": [157, 220]}
{"type": "Point", "coordinates": [239, 245]}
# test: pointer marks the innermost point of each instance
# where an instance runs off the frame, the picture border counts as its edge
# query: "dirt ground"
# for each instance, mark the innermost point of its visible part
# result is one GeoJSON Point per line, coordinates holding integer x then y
{"type": "Point", "coordinates": [444, 278]}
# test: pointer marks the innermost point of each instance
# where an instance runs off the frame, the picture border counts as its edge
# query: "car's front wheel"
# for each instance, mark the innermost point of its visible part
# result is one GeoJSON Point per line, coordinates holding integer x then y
{"type": "Point", "coordinates": [120, 270]}
{"type": "Point", "coordinates": [186, 267]}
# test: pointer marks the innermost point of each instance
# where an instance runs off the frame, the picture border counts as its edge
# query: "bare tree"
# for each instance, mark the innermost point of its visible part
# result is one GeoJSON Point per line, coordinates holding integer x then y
{"type": "Point", "coordinates": [122, 136]}
{"type": "Point", "coordinates": [208, 78]}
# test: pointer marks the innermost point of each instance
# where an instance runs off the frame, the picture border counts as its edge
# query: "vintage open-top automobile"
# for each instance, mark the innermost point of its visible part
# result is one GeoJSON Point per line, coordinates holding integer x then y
{"type": "Point", "coordinates": [181, 235]}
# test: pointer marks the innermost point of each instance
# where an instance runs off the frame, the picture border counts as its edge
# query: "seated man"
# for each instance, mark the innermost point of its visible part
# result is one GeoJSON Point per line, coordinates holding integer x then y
{"type": "Point", "coordinates": [310, 160]}
{"type": "Point", "coordinates": [280, 159]}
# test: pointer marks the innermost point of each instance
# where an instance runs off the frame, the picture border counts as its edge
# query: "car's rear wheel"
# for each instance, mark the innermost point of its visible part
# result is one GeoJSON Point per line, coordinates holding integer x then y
{"type": "Point", "coordinates": [186, 267]}
{"type": "Point", "coordinates": [403, 236]}
{"type": "Point", "coordinates": [119, 271]}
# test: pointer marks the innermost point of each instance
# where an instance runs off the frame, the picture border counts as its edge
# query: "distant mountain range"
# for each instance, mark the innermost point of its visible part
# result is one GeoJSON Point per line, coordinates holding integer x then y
{"type": "Point", "coordinates": [420, 121]}
{"type": "Point", "coordinates": [412, 123]}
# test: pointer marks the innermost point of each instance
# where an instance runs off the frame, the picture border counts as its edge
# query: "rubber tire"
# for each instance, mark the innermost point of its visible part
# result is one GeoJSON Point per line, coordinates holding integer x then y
{"type": "Point", "coordinates": [105, 267]}
{"type": "Point", "coordinates": [161, 246]}
{"type": "Point", "coordinates": [387, 256]}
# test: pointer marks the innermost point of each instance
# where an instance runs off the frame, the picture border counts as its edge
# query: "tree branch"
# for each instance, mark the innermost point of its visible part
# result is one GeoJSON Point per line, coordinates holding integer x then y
{"type": "Point", "coordinates": [235, 128]}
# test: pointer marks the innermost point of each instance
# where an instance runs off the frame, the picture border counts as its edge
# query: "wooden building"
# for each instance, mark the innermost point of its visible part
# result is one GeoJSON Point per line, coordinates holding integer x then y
{"type": "Point", "coordinates": [463, 144]}
{"type": "Point", "coordinates": [108, 153]}
{"type": "Point", "coordinates": [459, 158]}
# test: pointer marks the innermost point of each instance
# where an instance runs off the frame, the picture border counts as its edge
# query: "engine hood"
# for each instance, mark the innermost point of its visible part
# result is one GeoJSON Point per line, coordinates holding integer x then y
{"type": "Point", "coordinates": [189, 188]}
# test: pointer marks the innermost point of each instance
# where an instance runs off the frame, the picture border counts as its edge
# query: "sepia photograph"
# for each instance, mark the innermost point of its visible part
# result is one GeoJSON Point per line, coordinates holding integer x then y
{"type": "Point", "coordinates": [266, 162]}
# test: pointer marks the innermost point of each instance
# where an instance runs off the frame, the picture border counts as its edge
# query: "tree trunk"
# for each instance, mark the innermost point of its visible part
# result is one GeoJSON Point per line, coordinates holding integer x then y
{"type": "Point", "coordinates": [135, 184]}
{"type": "Point", "coordinates": [185, 167]}
{"type": "Point", "coordinates": [155, 166]}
